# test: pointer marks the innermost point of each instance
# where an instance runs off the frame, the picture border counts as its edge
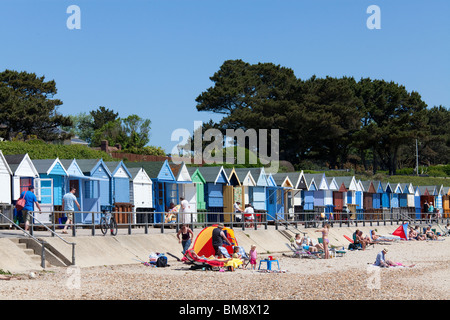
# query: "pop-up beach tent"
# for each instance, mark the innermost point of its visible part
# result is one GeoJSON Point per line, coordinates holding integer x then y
{"type": "Point", "coordinates": [203, 243]}
{"type": "Point", "coordinates": [401, 231]}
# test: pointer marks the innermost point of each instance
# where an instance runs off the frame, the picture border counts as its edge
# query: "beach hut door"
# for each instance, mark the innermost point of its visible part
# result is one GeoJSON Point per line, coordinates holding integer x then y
{"type": "Point", "coordinates": [43, 189]}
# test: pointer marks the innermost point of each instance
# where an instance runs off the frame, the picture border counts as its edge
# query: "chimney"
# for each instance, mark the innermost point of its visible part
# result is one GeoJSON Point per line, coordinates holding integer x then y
{"type": "Point", "coordinates": [104, 145]}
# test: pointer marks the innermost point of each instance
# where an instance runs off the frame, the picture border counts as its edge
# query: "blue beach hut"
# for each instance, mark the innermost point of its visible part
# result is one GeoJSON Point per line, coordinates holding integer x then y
{"type": "Point", "coordinates": [97, 169]}
{"type": "Point", "coordinates": [50, 185]}
{"type": "Point", "coordinates": [120, 182]}
{"type": "Point", "coordinates": [87, 187]}
{"type": "Point", "coordinates": [216, 179]}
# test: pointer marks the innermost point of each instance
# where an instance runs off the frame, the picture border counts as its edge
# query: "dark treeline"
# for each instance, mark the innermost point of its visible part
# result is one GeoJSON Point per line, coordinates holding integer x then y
{"type": "Point", "coordinates": [331, 122]}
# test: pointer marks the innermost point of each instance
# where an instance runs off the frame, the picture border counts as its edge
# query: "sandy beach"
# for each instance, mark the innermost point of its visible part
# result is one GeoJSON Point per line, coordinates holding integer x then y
{"type": "Point", "coordinates": [341, 278]}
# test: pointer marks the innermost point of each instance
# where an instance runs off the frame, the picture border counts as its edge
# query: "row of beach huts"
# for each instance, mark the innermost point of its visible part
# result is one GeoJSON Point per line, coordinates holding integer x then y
{"type": "Point", "coordinates": [152, 186]}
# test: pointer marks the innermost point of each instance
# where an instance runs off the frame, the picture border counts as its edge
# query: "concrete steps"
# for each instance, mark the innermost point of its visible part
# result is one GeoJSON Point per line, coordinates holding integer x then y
{"type": "Point", "coordinates": [35, 256]}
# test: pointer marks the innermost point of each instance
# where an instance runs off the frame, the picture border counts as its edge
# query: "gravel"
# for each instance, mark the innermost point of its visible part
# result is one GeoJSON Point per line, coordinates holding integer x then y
{"type": "Point", "coordinates": [342, 278]}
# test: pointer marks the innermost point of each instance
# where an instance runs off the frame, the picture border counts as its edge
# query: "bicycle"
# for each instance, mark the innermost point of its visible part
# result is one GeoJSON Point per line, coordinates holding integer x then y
{"type": "Point", "coordinates": [108, 222]}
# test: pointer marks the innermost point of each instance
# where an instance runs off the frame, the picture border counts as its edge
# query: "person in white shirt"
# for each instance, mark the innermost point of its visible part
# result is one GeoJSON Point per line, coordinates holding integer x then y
{"type": "Point", "coordinates": [68, 203]}
{"type": "Point", "coordinates": [184, 208]}
{"type": "Point", "coordinates": [249, 215]}
{"type": "Point", "coordinates": [237, 209]}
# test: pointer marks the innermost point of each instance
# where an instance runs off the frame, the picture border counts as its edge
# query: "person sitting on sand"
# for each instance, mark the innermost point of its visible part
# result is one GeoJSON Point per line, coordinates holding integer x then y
{"type": "Point", "coordinates": [430, 234]}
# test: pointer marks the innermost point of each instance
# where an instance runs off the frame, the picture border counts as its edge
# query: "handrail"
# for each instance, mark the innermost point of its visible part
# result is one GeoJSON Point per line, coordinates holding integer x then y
{"type": "Point", "coordinates": [31, 236]}
{"type": "Point", "coordinates": [55, 234]}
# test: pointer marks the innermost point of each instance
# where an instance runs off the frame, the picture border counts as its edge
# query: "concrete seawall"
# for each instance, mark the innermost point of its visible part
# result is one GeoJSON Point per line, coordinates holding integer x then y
{"type": "Point", "coordinates": [125, 249]}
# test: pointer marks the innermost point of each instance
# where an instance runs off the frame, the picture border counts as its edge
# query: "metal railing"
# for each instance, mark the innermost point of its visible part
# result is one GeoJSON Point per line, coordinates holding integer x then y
{"type": "Point", "coordinates": [147, 220]}
{"type": "Point", "coordinates": [41, 242]}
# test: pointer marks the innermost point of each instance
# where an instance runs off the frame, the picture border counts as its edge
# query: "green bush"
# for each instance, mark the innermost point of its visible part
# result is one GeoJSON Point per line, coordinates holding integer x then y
{"type": "Point", "coordinates": [38, 149]}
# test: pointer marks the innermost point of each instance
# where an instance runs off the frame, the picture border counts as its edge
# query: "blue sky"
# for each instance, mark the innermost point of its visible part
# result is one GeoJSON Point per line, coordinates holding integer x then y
{"type": "Point", "coordinates": [153, 58]}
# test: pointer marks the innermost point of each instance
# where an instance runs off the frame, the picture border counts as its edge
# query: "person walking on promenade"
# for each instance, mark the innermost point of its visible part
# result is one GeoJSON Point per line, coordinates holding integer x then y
{"type": "Point", "coordinates": [68, 203]}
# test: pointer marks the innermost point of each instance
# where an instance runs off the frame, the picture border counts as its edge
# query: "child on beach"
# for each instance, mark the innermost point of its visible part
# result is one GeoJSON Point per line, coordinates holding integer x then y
{"type": "Point", "coordinates": [253, 256]}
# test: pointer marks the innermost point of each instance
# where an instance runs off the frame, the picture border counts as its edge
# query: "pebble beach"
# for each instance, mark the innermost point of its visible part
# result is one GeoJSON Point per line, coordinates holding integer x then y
{"type": "Point", "coordinates": [350, 277]}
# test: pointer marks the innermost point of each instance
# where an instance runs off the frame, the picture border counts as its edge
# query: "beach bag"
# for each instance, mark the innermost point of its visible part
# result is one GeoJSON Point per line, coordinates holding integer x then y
{"type": "Point", "coordinates": [20, 204]}
{"type": "Point", "coordinates": [161, 262]}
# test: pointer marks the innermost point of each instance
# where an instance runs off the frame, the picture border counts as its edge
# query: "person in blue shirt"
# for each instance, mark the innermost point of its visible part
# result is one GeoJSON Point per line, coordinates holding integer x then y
{"type": "Point", "coordinates": [381, 259]}
{"type": "Point", "coordinates": [30, 200]}
{"type": "Point", "coordinates": [68, 203]}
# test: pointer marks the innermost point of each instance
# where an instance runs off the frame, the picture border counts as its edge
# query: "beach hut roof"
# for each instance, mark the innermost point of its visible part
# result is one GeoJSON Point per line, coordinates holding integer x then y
{"type": "Point", "coordinates": [45, 166]}
{"type": "Point", "coordinates": [180, 172]}
{"type": "Point", "coordinates": [245, 176]}
{"type": "Point", "coordinates": [282, 180]}
{"type": "Point", "coordinates": [259, 176]}
{"type": "Point", "coordinates": [17, 160]}
{"type": "Point", "coordinates": [214, 174]}
{"type": "Point", "coordinates": [349, 182]}
{"type": "Point", "coordinates": [152, 168]}
{"type": "Point", "coordinates": [5, 163]}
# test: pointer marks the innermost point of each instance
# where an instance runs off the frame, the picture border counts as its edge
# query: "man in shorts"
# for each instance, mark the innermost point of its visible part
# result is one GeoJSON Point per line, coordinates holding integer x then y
{"type": "Point", "coordinates": [68, 204]}
{"type": "Point", "coordinates": [30, 200]}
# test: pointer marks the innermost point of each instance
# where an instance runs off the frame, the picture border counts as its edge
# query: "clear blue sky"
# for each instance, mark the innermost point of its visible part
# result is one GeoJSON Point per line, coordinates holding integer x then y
{"type": "Point", "coordinates": [153, 58]}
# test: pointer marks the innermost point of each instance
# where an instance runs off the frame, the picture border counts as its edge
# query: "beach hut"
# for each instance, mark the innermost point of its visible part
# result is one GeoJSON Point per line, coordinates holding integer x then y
{"type": "Point", "coordinates": [427, 193]}
{"type": "Point", "coordinates": [141, 194]}
{"type": "Point", "coordinates": [284, 197]}
{"type": "Point", "coordinates": [5, 181]}
{"type": "Point", "coordinates": [24, 174]}
{"type": "Point", "coordinates": [119, 182]}
{"type": "Point", "coordinates": [417, 202]}
{"type": "Point", "coordinates": [308, 193]}
{"type": "Point", "coordinates": [446, 202]}
{"type": "Point", "coordinates": [215, 178]}
{"type": "Point", "coordinates": [395, 200]}
{"type": "Point", "coordinates": [234, 192]}
{"type": "Point", "coordinates": [296, 193]}
{"type": "Point", "coordinates": [257, 193]}
{"type": "Point", "coordinates": [186, 189]}
{"type": "Point", "coordinates": [120, 191]}
{"type": "Point", "coordinates": [274, 199]}
{"type": "Point", "coordinates": [87, 192]}
{"type": "Point", "coordinates": [52, 183]}
{"type": "Point", "coordinates": [96, 168]}
{"type": "Point", "coordinates": [199, 183]}
{"type": "Point", "coordinates": [359, 200]}
{"type": "Point", "coordinates": [438, 197]}
{"type": "Point", "coordinates": [165, 186]}
{"type": "Point", "coordinates": [345, 195]}
{"type": "Point", "coordinates": [408, 189]}
{"type": "Point", "coordinates": [368, 193]}
{"type": "Point", "coordinates": [247, 182]}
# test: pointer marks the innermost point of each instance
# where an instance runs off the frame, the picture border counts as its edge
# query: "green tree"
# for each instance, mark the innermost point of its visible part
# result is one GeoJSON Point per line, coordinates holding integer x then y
{"type": "Point", "coordinates": [392, 118]}
{"type": "Point", "coordinates": [102, 116]}
{"type": "Point", "coordinates": [138, 131]}
{"type": "Point", "coordinates": [28, 107]}
{"type": "Point", "coordinates": [259, 96]}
